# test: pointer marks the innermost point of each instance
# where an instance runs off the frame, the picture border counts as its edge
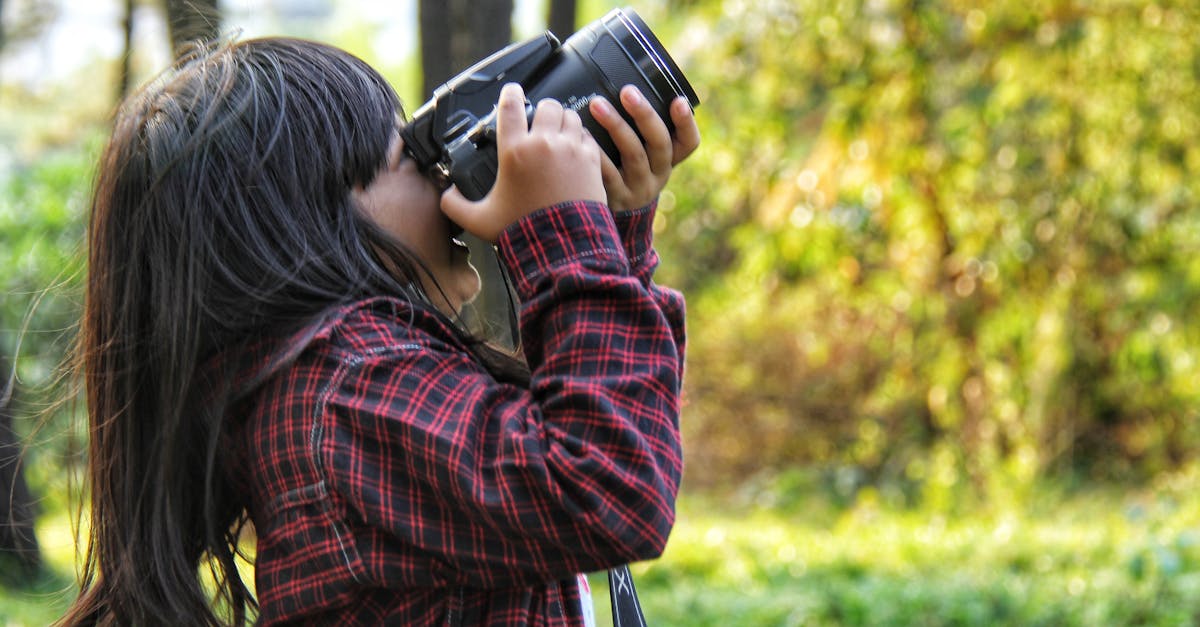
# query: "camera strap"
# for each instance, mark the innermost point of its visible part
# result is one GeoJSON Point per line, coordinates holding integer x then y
{"type": "Point", "coordinates": [626, 609]}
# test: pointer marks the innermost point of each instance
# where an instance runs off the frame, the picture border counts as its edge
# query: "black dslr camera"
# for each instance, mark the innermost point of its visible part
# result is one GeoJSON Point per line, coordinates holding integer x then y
{"type": "Point", "coordinates": [452, 136]}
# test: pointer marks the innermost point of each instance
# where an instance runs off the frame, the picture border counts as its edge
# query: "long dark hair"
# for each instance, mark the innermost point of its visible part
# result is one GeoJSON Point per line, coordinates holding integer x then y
{"type": "Point", "coordinates": [221, 211]}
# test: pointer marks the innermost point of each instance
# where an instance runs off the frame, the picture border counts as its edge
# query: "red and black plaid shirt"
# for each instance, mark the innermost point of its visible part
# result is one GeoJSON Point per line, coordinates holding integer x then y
{"type": "Point", "coordinates": [393, 480]}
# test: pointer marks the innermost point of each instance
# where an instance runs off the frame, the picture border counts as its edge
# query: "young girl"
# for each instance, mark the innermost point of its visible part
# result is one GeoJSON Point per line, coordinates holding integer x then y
{"type": "Point", "coordinates": [271, 331]}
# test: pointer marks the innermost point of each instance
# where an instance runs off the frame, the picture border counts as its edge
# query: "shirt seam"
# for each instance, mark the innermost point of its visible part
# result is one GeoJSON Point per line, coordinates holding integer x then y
{"type": "Point", "coordinates": [604, 253]}
{"type": "Point", "coordinates": [349, 551]}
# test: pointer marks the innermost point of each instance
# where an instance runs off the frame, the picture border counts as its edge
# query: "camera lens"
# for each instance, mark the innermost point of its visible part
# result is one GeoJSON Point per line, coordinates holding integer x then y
{"type": "Point", "coordinates": [654, 65]}
{"type": "Point", "coordinates": [614, 51]}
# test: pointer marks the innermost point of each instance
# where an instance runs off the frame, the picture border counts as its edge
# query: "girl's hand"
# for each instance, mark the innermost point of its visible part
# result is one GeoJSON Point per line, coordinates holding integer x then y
{"type": "Point", "coordinates": [550, 161]}
{"type": "Point", "coordinates": [646, 168]}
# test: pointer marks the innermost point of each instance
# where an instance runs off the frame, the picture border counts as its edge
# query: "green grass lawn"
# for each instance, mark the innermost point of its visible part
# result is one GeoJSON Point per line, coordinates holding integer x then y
{"type": "Point", "coordinates": [1100, 559]}
{"type": "Point", "coordinates": [1104, 558]}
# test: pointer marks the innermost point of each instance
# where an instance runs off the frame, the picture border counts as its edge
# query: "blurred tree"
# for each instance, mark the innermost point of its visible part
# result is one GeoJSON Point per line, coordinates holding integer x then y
{"type": "Point", "coordinates": [20, 556]}
{"type": "Point", "coordinates": [561, 17]}
{"type": "Point", "coordinates": [454, 35]}
{"type": "Point", "coordinates": [41, 227]}
{"type": "Point", "coordinates": [945, 243]}
{"type": "Point", "coordinates": [436, 33]}
{"type": "Point", "coordinates": [191, 20]}
{"type": "Point", "coordinates": [25, 21]}
{"type": "Point", "coordinates": [124, 74]}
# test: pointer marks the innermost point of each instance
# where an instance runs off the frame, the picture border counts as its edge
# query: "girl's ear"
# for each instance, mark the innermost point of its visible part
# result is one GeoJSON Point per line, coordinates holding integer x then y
{"type": "Point", "coordinates": [362, 201]}
{"type": "Point", "coordinates": [395, 153]}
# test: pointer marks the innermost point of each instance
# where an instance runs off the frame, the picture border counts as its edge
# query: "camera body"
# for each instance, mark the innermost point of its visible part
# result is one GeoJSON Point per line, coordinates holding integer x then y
{"type": "Point", "coordinates": [452, 137]}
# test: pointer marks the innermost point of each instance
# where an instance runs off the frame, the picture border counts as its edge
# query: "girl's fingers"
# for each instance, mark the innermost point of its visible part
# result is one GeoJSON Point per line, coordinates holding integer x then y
{"type": "Point", "coordinates": [687, 133]}
{"type": "Point", "coordinates": [572, 124]}
{"type": "Point", "coordinates": [548, 118]}
{"type": "Point", "coordinates": [510, 119]}
{"type": "Point", "coordinates": [654, 131]}
{"type": "Point", "coordinates": [647, 154]}
{"type": "Point", "coordinates": [611, 175]}
{"type": "Point", "coordinates": [628, 144]}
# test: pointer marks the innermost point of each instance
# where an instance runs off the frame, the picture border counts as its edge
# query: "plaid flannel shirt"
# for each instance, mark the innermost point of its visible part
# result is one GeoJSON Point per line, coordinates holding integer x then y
{"type": "Point", "coordinates": [392, 480]}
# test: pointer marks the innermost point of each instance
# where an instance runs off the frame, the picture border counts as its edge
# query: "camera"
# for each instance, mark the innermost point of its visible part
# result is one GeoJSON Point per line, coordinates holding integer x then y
{"type": "Point", "coordinates": [452, 137]}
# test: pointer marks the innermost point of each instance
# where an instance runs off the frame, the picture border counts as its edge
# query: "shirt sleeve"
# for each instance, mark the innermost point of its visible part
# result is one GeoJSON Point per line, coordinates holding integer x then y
{"type": "Point", "coordinates": [504, 485]}
{"type": "Point", "coordinates": [636, 229]}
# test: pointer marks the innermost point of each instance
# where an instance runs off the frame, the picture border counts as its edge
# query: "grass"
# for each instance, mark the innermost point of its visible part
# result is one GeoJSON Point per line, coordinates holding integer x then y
{"type": "Point", "coordinates": [1100, 558]}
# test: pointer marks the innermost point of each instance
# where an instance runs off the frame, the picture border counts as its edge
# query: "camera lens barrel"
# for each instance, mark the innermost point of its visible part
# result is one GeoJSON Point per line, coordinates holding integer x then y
{"type": "Point", "coordinates": [614, 51]}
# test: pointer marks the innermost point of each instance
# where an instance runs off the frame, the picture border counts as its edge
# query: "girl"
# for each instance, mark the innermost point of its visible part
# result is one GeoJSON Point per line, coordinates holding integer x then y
{"type": "Point", "coordinates": [271, 332]}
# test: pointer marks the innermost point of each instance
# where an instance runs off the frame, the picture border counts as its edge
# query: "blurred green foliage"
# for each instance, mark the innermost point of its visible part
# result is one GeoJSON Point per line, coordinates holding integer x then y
{"type": "Point", "coordinates": [940, 244]}
{"type": "Point", "coordinates": [41, 238]}
{"type": "Point", "coordinates": [41, 251]}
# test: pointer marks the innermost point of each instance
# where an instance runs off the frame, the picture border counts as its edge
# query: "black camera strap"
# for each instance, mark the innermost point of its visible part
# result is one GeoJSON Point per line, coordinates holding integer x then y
{"type": "Point", "coordinates": [626, 609]}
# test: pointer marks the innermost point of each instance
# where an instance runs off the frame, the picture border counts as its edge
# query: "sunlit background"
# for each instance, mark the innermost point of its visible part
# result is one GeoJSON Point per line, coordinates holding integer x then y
{"type": "Point", "coordinates": [942, 260]}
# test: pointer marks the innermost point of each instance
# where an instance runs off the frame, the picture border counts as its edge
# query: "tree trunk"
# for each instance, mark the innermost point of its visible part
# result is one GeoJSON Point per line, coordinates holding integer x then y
{"type": "Point", "coordinates": [454, 35]}
{"type": "Point", "coordinates": [20, 557]}
{"type": "Point", "coordinates": [489, 28]}
{"type": "Point", "coordinates": [126, 52]}
{"type": "Point", "coordinates": [434, 19]}
{"type": "Point", "coordinates": [561, 20]}
{"type": "Point", "coordinates": [457, 33]}
{"type": "Point", "coordinates": [191, 20]}
{"type": "Point", "coordinates": [2, 30]}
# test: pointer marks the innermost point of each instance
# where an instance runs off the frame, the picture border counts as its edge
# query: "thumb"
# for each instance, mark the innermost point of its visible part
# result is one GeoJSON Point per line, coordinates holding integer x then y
{"type": "Point", "coordinates": [469, 214]}
{"type": "Point", "coordinates": [511, 117]}
{"type": "Point", "coordinates": [456, 206]}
